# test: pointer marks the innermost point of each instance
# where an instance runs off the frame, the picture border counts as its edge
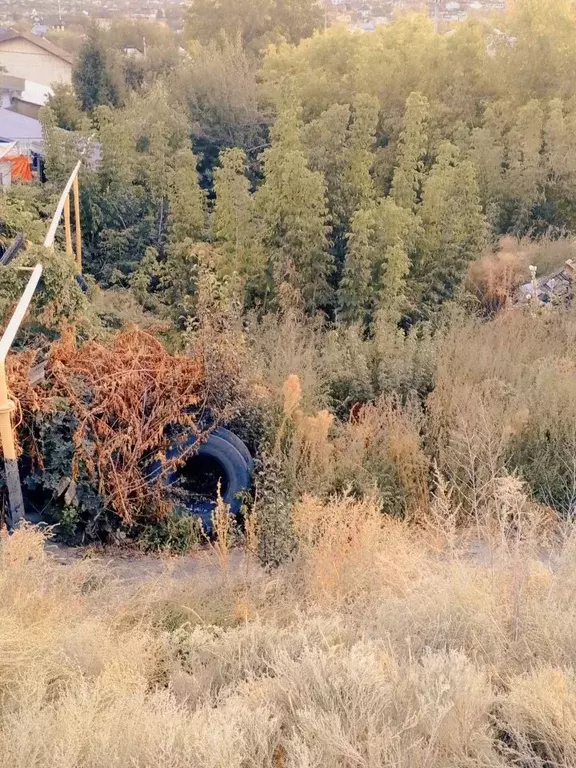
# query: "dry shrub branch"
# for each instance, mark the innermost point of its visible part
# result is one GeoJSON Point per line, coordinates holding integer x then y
{"type": "Point", "coordinates": [123, 395]}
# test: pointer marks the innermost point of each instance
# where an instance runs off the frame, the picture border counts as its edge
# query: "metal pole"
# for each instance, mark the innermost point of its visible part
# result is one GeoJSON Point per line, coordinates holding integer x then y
{"type": "Point", "coordinates": [76, 188]}
{"type": "Point", "coordinates": [67, 227]}
{"type": "Point", "coordinates": [15, 500]}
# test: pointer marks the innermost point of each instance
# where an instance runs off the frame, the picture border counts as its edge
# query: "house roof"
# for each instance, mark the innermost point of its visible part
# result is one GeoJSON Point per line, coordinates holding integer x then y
{"type": "Point", "coordinates": [41, 42]}
{"type": "Point", "coordinates": [15, 127]}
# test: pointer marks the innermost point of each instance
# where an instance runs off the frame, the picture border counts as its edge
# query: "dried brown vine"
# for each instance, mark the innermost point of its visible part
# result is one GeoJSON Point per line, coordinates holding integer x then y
{"type": "Point", "coordinates": [124, 394]}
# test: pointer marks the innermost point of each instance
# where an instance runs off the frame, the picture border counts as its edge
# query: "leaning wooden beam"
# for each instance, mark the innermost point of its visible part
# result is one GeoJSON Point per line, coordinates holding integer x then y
{"type": "Point", "coordinates": [68, 228]}
{"type": "Point", "coordinates": [76, 187]}
{"type": "Point", "coordinates": [51, 234]}
{"type": "Point", "coordinates": [16, 503]}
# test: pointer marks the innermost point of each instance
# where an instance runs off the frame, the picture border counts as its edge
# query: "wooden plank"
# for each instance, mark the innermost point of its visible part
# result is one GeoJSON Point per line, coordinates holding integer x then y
{"type": "Point", "coordinates": [68, 227]}
{"type": "Point", "coordinates": [21, 308]}
{"type": "Point", "coordinates": [76, 188]}
{"type": "Point", "coordinates": [51, 234]}
{"type": "Point", "coordinates": [16, 502]}
{"type": "Point", "coordinates": [13, 249]}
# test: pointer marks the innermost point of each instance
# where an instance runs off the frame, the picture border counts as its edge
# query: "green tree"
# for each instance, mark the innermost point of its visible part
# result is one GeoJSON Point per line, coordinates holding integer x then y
{"type": "Point", "coordinates": [560, 162]}
{"type": "Point", "coordinates": [145, 193]}
{"type": "Point", "coordinates": [526, 171]}
{"type": "Point", "coordinates": [155, 50]}
{"type": "Point", "coordinates": [487, 151]}
{"type": "Point", "coordinates": [340, 145]}
{"type": "Point", "coordinates": [235, 227]}
{"type": "Point", "coordinates": [356, 290]}
{"type": "Point", "coordinates": [93, 78]}
{"type": "Point", "coordinates": [358, 156]}
{"type": "Point", "coordinates": [61, 152]}
{"type": "Point", "coordinates": [536, 51]}
{"type": "Point", "coordinates": [292, 205]}
{"type": "Point", "coordinates": [257, 22]}
{"type": "Point", "coordinates": [217, 87]}
{"type": "Point", "coordinates": [412, 146]}
{"type": "Point", "coordinates": [377, 261]}
{"type": "Point", "coordinates": [186, 199]}
{"type": "Point", "coordinates": [65, 108]}
{"type": "Point", "coordinates": [453, 228]}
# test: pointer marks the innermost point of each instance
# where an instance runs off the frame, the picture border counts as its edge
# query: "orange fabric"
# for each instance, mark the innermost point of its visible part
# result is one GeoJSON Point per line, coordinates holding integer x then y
{"type": "Point", "coordinates": [21, 168]}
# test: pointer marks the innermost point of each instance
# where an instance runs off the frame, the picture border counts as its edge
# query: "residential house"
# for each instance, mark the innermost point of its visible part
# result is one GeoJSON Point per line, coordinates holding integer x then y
{"type": "Point", "coordinates": [33, 58]}
{"type": "Point", "coordinates": [23, 96]}
{"type": "Point", "coordinates": [23, 143]}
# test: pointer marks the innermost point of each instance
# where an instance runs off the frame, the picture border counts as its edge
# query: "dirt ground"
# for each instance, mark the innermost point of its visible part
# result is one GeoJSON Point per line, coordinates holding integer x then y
{"type": "Point", "coordinates": [131, 565]}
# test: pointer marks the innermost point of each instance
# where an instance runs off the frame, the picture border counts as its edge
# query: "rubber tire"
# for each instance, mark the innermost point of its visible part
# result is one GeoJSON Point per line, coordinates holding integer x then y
{"type": "Point", "coordinates": [234, 440]}
{"type": "Point", "coordinates": [82, 284]}
{"type": "Point", "coordinates": [234, 467]}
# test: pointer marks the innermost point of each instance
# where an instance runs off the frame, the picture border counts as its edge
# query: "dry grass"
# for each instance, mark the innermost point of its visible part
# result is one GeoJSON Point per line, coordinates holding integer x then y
{"type": "Point", "coordinates": [383, 643]}
{"type": "Point", "coordinates": [504, 402]}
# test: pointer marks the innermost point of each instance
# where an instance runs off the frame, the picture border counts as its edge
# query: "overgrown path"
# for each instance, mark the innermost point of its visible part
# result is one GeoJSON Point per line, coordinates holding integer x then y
{"type": "Point", "coordinates": [130, 565]}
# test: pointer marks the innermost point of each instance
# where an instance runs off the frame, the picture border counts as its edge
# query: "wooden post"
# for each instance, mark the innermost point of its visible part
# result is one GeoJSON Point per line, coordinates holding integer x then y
{"type": "Point", "coordinates": [7, 406]}
{"type": "Point", "coordinates": [76, 188]}
{"type": "Point", "coordinates": [67, 227]}
{"type": "Point", "coordinates": [15, 500]}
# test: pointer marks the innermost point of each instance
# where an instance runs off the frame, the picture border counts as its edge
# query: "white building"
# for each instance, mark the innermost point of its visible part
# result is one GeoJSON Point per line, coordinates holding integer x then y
{"type": "Point", "coordinates": [33, 58]}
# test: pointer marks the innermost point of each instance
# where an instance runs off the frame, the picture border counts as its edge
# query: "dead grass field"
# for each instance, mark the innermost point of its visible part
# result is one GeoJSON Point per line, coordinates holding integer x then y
{"type": "Point", "coordinates": [382, 644]}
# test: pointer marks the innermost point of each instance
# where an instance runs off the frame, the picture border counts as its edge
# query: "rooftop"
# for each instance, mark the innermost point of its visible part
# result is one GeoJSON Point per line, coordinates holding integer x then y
{"type": "Point", "coordinates": [41, 42]}
{"type": "Point", "coordinates": [15, 127]}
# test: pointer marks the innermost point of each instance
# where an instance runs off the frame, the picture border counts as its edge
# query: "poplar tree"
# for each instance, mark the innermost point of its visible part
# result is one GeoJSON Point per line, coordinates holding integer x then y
{"type": "Point", "coordinates": [234, 224]}
{"type": "Point", "coordinates": [526, 172]}
{"type": "Point", "coordinates": [292, 206]}
{"type": "Point", "coordinates": [92, 77]}
{"type": "Point", "coordinates": [356, 292]}
{"type": "Point", "coordinates": [186, 200]}
{"type": "Point", "coordinates": [412, 145]}
{"type": "Point", "coordinates": [377, 261]}
{"type": "Point", "coordinates": [358, 185]}
{"type": "Point", "coordinates": [454, 229]}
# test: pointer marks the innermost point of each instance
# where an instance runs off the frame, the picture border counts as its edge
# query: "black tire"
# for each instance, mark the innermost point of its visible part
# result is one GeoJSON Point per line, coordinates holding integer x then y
{"type": "Point", "coordinates": [236, 474]}
{"type": "Point", "coordinates": [82, 284]}
{"type": "Point", "coordinates": [240, 446]}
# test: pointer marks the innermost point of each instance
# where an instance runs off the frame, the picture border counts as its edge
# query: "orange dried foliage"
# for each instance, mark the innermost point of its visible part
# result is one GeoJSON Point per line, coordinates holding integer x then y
{"type": "Point", "coordinates": [124, 395]}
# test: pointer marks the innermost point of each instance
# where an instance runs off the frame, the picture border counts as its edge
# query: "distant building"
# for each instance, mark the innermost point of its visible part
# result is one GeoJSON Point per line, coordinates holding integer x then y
{"type": "Point", "coordinates": [39, 29]}
{"type": "Point", "coordinates": [33, 58]}
{"type": "Point", "coordinates": [130, 50]}
{"type": "Point", "coordinates": [23, 96]}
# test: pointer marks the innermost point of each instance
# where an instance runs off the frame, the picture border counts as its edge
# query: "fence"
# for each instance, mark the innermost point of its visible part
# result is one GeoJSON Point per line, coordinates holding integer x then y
{"type": "Point", "coordinates": [7, 406]}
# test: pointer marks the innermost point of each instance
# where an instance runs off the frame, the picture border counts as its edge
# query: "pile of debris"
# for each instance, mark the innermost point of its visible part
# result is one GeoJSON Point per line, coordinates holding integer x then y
{"type": "Point", "coordinates": [556, 289]}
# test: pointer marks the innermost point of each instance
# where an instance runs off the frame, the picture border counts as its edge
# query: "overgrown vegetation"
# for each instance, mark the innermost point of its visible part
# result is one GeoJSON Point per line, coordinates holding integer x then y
{"type": "Point", "coordinates": [321, 244]}
{"type": "Point", "coordinates": [317, 243]}
{"type": "Point", "coordinates": [382, 644]}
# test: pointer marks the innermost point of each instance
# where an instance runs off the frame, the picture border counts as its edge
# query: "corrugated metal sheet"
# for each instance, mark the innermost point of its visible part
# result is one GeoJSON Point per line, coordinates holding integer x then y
{"type": "Point", "coordinates": [15, 127]}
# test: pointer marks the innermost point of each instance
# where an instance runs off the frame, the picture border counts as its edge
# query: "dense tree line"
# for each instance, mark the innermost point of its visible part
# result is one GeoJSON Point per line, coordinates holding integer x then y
{"type": "Point", "coordinates": [353, 173]}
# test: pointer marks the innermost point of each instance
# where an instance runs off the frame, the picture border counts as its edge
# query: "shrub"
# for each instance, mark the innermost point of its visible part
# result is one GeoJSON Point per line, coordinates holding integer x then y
{"type": "Point", "coordinates": [493, 278]}
{"type": "Point", "coordinates": [504, 402]}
